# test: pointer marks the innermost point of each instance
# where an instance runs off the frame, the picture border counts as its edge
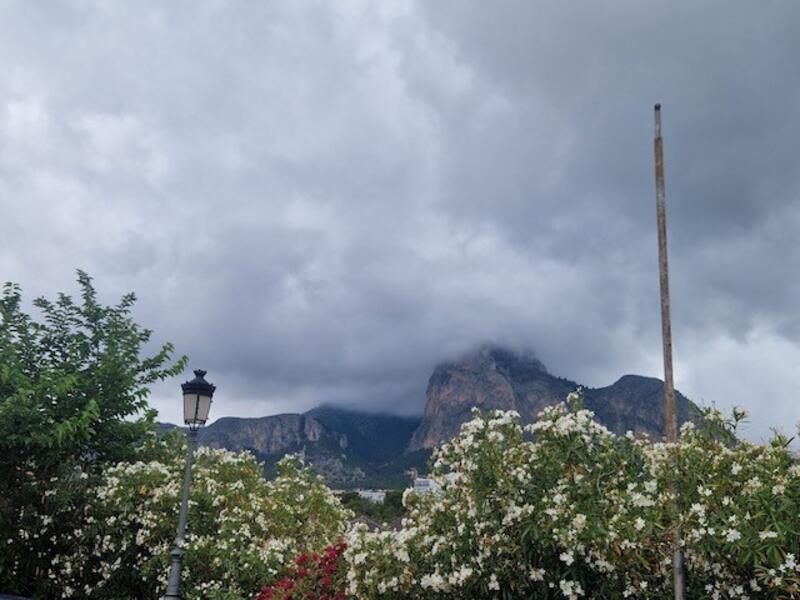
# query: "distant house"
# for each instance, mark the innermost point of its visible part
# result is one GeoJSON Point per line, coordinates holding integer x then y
{"type": "Point", "coordinates": [395, 525]}
{"type": "Point", "coordinates": [372, 524]}
{"type": "Point", "coordinates": [376, 496]}
{"type": "Point", "coordinates": [423, 485]}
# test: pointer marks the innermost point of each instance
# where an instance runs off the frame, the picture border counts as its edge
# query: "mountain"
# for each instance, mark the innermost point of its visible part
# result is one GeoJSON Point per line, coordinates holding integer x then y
{"type": "Point", "coordinates": [377, 438]}
{"type": "Point", "coordinates": [349, 448]}
{"type": "Point", "coordinates": [636, 403]}
{"type": "Point", "coordinates": [268, 435]}
{"type": "Point", "coordinates": [495, 378]}
{"type": "Point", "coordinates": [490, 379]}
{"type": "Point", "coordinates": [359, 449]}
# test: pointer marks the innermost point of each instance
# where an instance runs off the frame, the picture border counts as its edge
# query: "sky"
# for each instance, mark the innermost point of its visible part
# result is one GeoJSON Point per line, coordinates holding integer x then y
{"type": "Point", "coordinates": [320, 201]}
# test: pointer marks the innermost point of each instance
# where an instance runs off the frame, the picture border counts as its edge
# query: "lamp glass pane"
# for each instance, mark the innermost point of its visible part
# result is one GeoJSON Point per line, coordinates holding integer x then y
{"type": "Point", "coordinates": [189, 407]}
{"type": "Point", "coordinates": [203, 408]}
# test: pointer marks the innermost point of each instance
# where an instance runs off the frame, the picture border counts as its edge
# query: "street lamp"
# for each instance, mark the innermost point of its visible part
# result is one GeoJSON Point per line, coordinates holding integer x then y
{"type": "Point", "coordinates": [197, 395]}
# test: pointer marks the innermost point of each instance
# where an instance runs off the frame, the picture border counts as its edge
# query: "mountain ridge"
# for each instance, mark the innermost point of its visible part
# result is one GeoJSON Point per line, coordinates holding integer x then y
{"type": "Point", "coordinates": [359, 448]}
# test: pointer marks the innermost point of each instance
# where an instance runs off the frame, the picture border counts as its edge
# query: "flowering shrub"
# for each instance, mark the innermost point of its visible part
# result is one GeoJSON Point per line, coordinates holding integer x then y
{"type": "Point", "coordinates": [242, 529]}
{"type": "Point", "coordinates": [741, 516]}
{"type": "Point", "coordinates": [565, 509]}
{"type": "Point", "coordinates": [561, 508]}
{"type": "Point", "coordinates": [316, 576]}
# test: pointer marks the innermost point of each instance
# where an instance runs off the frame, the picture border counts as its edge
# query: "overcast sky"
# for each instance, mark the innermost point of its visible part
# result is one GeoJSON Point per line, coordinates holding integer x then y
{"type": "Point", "coordinates": [319, 201]}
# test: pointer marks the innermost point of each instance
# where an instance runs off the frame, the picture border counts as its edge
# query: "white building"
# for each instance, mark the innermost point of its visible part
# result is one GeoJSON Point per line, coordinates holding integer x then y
{"type": "Point", "coordinates": [376, 496]}
{"type": "Point", "coordinates": [423, 485]}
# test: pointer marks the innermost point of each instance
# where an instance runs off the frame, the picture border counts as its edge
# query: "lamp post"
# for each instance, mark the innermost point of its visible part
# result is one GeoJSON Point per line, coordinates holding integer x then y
{"type": "Point", "coordinates": [197, 395]}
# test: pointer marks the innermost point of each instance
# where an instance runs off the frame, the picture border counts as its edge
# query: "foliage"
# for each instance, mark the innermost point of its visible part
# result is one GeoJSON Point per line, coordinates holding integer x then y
{"type": "Point", "coordinates": [566, 509]}
{"type": "Point", "coordinates": [73, 388]}
{"type": "Point", "coordinates": [242, 529]}
{"type": "Point", "coordinates": [315, 576]}
{"type": "Point", "coordinates": [391, 509]}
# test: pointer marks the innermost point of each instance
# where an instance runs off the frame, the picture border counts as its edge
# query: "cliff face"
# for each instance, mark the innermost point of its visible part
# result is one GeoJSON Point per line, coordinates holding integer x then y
{"type": "Point", "coordinates": [267, 435]}
{"type": "Point", "coordinates": [494, 378]}
{"type": "Point", "coordinates": [490, 379]}
{"type": "Point", "coordinates": [346, 447]}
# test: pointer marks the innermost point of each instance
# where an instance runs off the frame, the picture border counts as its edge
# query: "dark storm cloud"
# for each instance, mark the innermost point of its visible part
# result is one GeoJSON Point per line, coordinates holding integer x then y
{"type": "Point", "coordinates": [318, 202]}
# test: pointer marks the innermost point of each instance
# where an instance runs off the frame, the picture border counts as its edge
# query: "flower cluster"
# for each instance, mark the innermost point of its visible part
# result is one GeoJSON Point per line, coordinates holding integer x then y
{"type": "Point", "coordinates": [564, 508]}
{"type": "Point", "coordinates": [316, 576]}
{"type": "Point", "coordinates": [242, 529]}
{"type": "Point", "coordinates": [740, 513]}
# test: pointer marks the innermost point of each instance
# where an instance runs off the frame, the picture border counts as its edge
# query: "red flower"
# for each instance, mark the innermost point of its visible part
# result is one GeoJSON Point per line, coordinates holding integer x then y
{"type": "Point", "coordinates": [267, 593]}
{"type": "Point", "coordinates": [285, 583]}
{"type": "Point", "coordinates": [316, 576]}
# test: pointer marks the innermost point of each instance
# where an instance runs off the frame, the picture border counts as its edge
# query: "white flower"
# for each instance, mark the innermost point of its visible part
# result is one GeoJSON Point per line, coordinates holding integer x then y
{"type": "Point", "coordinates": [493, 584]}
{"type": "Point", "coordinates": [570, 589]}
{"type": "Point", "coordinates": [579, 522]}
{"type": "Point", "coordinates": [731, 535]}
{"type": "Point", "coordinates": [537, 574]}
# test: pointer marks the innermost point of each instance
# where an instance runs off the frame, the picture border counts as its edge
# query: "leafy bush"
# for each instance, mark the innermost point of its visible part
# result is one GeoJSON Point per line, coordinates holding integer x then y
{"type": "Point", "coordinates": [391, 509]}
{"type": "Point", "coordinates": [242, 529]}
{"type": "Point", "coordinates": [565, 509]}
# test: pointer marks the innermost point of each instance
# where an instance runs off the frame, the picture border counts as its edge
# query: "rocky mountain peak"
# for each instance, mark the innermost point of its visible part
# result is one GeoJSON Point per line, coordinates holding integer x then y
{"type": "Point", "coordinates": [496, 378]}
{"type": "Point", "coordinates": [489, 378]}
{"type": "Point", "coordinates": [637, 381]}
{"type": "Point", "coordinates": [500, 359]}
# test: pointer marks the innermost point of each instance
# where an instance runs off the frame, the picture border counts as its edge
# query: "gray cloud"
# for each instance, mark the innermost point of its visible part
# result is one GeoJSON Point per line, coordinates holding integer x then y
{"type": "Point", "coordinates": [319, 202]}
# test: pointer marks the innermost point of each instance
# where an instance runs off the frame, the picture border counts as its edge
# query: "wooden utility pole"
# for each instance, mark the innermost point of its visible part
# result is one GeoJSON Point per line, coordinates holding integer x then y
{"type": "Point", "coordinates": [670, 411]}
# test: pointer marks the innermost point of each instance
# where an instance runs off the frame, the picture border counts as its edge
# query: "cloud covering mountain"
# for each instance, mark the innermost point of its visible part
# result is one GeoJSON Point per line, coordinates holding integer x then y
{"type": "Point", "coordinates": [316, 202]}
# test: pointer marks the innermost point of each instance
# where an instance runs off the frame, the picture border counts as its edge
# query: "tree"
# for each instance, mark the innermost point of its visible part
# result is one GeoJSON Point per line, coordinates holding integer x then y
{"type": "Point", "coordinates": [73, 399]}
{"type": "Point", "coordinates": [391, 509]}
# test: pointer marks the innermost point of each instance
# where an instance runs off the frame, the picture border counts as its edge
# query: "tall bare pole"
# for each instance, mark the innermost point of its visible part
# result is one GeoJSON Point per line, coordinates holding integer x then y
{"type": "Point", "coordinates": [670, 412]}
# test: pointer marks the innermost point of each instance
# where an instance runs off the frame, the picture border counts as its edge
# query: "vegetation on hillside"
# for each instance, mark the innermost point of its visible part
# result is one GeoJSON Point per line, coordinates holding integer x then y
{"type": "Point", "coordinates": [389, 512]}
